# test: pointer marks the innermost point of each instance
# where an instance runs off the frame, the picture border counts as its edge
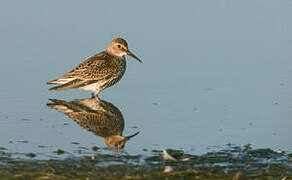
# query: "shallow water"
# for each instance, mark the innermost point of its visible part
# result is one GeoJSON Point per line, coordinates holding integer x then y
{"type": "Point", "coordinates": [213, 73]}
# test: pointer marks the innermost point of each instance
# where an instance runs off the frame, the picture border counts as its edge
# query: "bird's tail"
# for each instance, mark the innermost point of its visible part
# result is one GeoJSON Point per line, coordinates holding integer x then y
{"type": "Point", "coordinates": [68, 85]}
{"type": "Point", "coordinates": [60, 81]}
{"type": "Point", "coordinates": [52, 82]}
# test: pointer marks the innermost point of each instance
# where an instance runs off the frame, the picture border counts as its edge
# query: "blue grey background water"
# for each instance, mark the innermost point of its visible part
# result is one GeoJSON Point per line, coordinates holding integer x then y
{"type": "Point", "coordinates": [214, 72]}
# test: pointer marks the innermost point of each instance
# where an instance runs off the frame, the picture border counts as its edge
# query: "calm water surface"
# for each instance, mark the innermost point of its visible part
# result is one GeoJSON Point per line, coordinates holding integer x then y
{"type": "Point", "coordinates": [214, 73]}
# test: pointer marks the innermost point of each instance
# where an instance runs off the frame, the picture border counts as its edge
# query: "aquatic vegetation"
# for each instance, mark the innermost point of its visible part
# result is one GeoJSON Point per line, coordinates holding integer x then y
{"type": "Point", "coordinates": [235, 162]}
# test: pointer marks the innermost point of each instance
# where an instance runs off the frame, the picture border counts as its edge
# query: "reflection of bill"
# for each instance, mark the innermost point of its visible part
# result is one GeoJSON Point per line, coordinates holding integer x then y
{"type": "Point", "coordinates": [100, 117]}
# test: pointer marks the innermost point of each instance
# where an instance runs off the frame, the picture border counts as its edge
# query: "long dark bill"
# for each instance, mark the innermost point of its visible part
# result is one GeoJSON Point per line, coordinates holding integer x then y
{"type": "Point", "coordinates": [133, 55]}
{"type": "Point", "coordinates": [129, 137]}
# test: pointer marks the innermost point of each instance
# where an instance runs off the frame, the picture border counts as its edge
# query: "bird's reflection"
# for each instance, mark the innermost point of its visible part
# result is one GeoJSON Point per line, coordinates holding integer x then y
{"type": "Point", "coordinates": [98, 116]}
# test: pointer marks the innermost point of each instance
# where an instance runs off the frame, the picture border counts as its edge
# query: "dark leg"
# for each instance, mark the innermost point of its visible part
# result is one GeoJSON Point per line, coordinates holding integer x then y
{"type": "Point", "coordinates": [95, 95]}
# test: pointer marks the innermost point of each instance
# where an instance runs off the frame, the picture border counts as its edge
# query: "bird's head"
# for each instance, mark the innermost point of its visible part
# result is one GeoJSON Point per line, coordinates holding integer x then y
{"type": "Point", "coordinates": [117, 141]}
{"type": "Point", "coordinates": [119, 47]}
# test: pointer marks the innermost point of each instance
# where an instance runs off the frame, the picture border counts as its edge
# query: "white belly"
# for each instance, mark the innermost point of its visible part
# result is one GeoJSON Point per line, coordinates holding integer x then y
{"type": "Point", "coordinates": [92, 87]}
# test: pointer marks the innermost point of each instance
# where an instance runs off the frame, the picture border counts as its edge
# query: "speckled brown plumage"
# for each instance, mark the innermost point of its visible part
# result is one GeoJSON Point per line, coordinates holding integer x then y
{"type": "Point", "coordinates": [99, 71]}
{"type": "Point", "coordinates": [98, 67]}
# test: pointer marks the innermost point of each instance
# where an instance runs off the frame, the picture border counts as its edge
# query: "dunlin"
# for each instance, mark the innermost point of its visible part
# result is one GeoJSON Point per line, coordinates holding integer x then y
{"type": "Point", "coordinates": [99, 71]}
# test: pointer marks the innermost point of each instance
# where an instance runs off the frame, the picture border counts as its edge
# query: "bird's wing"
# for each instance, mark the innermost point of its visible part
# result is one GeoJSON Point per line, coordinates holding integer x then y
{"type": "Point", "coordinates": [99, 123]}
{"type": "Point", "coordinates": [76, 83]}
{"type": "Point", "coordinates": [93, 68]}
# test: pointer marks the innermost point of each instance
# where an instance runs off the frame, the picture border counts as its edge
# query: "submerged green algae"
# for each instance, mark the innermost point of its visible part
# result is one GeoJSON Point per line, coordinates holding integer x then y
{"type": "Point", "coordinates": [234, 163]}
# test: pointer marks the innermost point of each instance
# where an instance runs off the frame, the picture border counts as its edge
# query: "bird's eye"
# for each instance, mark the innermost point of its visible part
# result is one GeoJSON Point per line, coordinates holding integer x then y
{"type": "Point", "coordinates": [119, 46]}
